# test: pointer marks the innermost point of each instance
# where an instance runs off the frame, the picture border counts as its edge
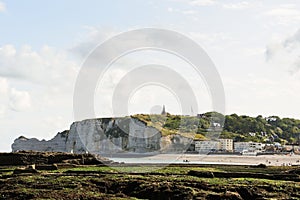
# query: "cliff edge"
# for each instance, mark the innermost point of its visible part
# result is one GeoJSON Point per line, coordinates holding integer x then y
{"type": "Point", "coordinates": [107, 135]}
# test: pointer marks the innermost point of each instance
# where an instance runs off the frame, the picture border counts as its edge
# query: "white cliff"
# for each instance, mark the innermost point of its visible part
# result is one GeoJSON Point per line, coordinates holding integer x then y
{"type": "Point", "coordinates": [57, 144]}
{"type": "Point", "coordinates": [107, 135]}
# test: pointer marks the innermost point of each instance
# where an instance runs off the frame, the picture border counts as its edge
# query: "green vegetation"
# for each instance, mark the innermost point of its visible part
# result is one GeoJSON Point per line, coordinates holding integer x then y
{"type": "Point", "coordinates": [239, 128]}
{"type": "Point", "coordinates": [171, 182]}
{"type": "Point", "coordinates": [138, 169]}
{"type": "Point", "coordinates": [171, 124]}
{"type": "Point", "coordinates": [268, 129]}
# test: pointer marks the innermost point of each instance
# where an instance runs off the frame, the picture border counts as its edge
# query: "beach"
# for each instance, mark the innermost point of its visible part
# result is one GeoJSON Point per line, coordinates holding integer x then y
{"type": "Point", "coordinates": [269, 160]}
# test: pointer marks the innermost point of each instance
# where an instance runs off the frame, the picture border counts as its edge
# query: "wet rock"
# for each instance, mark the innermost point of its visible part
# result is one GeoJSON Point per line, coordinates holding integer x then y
{"type": "Point", "coordinates": [25, 171]}
{"type": "Point", "coordinates": [201, 174]}
{"type": "Point", "coordinates": [246, 193]}
{"type": "Point", "coordinates": [46, 167]}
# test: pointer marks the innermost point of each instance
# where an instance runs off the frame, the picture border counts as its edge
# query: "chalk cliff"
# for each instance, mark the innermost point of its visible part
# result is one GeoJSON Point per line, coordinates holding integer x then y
{"type": "Point", "coordinates": [107, 135]}
{"type": "Point", "coordinates": [56, 144]}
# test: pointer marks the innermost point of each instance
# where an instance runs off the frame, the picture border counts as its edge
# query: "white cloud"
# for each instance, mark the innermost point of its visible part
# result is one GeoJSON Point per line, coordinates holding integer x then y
{"type": "Point", "coordinates": [170, 9]}
{"type": "Point", "coordinates": [202, 2]}
{"type": "Point", "coordinates": [230, 6]}
{"type": "Point", "coordinates": [93, 37]}
{"type": "Point", "coordinates": [188, 12]}
{"type": "Point", "coordinates": [3, 86]}
{"type": "Point", "coordinates": [285, 54]}
{"type": "Point", "coordinates": [2, 110]}
{"type": "Point", "coordinates": [19, 100]}
{"type": "Point", "coordinates": [284, 14]}
{"type": "Point", "coordinates": [56, 123]}
{"type": "Point", "coordinates": [7, 50]}
{"type": "Point", "coordinates": [2, 7]}
{"type": "Point", "coordinates": [185, 12]}
{"type": "Point", "coordinates": [213, 40]}
{"type": "Point", "coordinates": [47, 66]}
{"type": "Point", "coordinates": [237, 6]}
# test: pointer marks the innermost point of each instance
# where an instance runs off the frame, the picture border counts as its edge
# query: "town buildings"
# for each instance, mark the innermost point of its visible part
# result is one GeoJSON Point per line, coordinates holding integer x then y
{"type": "Point", "coordinates": [248, 146]}
{"type": "Point", "coordinates": [207, 146]}
{"type": "Point", "coordinates": [225, 145]}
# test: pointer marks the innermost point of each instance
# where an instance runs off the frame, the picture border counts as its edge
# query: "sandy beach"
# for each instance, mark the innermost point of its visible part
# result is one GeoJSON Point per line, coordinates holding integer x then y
{"type": "Point", "coordinates": [269, 160]}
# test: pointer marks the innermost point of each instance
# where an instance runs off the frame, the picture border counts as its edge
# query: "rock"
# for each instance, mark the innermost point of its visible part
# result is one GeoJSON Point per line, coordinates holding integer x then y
{"type": "Point", "coordinates": [31, 166]}
{"type": "Point", "coordinates": [109, 135]}
{"type": "Point", "coordinates": [47, 158]}
{"type": "Point", "coordinates": [203, 174]}
{"type": "Point", "coordinates": [261, 165]}
{"type": "Point", "coordinates": [46, 167]}
{"type": "Point", "coordinates": [294, 171]}
{"type": "Point", "coordinates": [57, 144]}
{"type": "Point", "coordinates": [106, 136]}
{"type": "Point", "coordinates": [25, 171]}
{"type": "Point", "coordinates": [246, 193]}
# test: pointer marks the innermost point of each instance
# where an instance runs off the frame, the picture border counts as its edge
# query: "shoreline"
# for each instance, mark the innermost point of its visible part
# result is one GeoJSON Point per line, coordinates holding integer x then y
{"type": "Point", "coordinates": [268, 160]}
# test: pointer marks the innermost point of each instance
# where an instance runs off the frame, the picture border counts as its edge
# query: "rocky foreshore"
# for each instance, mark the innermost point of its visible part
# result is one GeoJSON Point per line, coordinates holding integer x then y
{"type": "Point", "coordinates": [24, 158]}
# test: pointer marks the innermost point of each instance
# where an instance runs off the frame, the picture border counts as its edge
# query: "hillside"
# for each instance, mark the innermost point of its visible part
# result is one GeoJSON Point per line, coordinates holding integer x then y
{"type": "Point", "coordinates": [239, 128]}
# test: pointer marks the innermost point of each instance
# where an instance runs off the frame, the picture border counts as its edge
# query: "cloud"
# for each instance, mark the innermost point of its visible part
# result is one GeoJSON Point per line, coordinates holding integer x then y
{"type": "Point", "coordinates": [2, 111]}
{"type": "Point", "coordinates": [284, 14]}
{"type": "Point", "coordinates": [91, 39]}
{"type": "Point", "coordinates": [56, 122]}
{"type": "Point", "coordinates": [2, 7]}
{"type": "Point", "coordinates": [198, 2]}
{"type": "Point", "coordinates": [185, 12]}
{"type": "Point", "coordinates": [285, 53]}
{"type": "Point", "coordinates": [230, 6]}
{"type": "Point", "coordinates": [237, 6]}
{"type": "Point", "coordinates": [202, 2]}
{"type": "Point", "coordinates": [293, 41]}
{"type": "Point", "coordinates": [4, 90]}
{"type": "Point", "coordinates": [19, 100]}
{"type": "Point", "coordinates": [3, 86]}
{"type": "Point", "coordinates": [46, 66]}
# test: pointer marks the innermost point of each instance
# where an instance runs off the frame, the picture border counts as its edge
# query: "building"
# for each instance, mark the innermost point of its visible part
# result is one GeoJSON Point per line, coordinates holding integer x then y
{"type": "Point", "coordinates": [226, 144]}
{"type": "Point", "coordinates": [241, 146]}
{"type": "Point", "coordinates": [248, 146]}
{"type": "Point", "coordinates": [256, 146]}
{"type": "Point", "coordinates": [163, 112]}
{"type": "Point", "coordinates": [207, 146]}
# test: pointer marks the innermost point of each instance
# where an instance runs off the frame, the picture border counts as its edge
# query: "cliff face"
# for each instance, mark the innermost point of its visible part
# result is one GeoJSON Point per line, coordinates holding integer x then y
{"type": "Point", "coordinates": [107, 135]}
{"type": "Point", "coordinates": [57, 144]}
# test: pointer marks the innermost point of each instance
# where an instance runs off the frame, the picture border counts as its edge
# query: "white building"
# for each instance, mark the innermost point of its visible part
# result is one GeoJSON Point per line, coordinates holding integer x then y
{"type": "Point", "coordinates": [226, 144]}
{"type": "Point", "coordinates": [207, 146]}
{"type": "Point", "coordinates": [256, 146]}
{"type": "Point", "coordinates": [248, 146]}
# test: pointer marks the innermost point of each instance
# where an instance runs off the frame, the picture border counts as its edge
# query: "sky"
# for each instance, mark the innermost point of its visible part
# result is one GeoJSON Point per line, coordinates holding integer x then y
{"type": "Point", "coordinates": [255, 46]}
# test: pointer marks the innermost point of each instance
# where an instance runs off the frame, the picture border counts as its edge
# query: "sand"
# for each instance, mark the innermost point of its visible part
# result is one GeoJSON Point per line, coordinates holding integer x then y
{"type": "Point", "coordinates": [269, 160]}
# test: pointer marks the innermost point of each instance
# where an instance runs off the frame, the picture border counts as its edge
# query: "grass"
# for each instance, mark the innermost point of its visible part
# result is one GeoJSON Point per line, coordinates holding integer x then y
{"type": "Point", "coordinates": [49, 185]}
{"type": "Point", "coordinates": [7, 170]}
{"type": "Point", "coordinates": [171, 124]}
{"type": "Point", "coordinates": [139, 169]}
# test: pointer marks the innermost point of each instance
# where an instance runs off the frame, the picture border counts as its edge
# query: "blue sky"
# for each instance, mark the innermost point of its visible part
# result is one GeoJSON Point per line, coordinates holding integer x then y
{"type": "Point", "coordinates": [255, 46]}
